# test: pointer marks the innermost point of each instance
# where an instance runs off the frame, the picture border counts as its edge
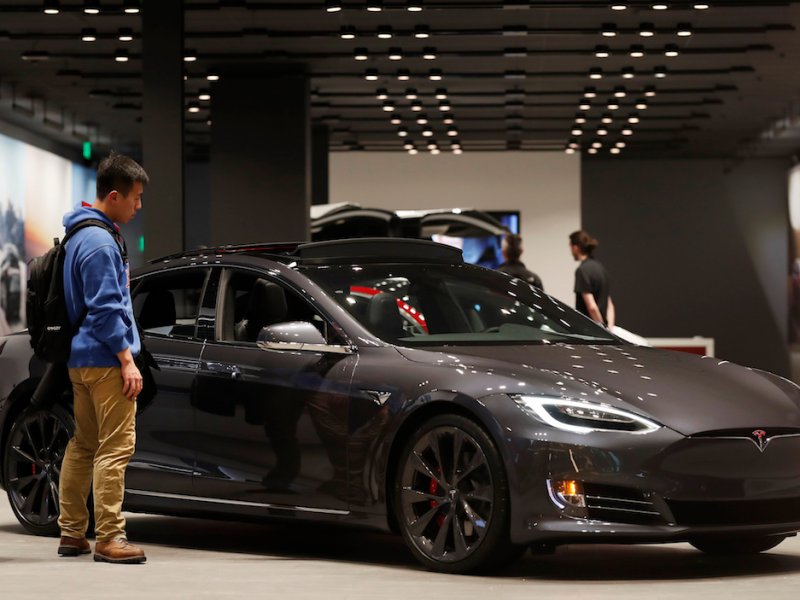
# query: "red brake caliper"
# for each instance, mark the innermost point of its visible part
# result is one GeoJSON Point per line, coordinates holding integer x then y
{"type": "Point", "coordinates": [433, 487]}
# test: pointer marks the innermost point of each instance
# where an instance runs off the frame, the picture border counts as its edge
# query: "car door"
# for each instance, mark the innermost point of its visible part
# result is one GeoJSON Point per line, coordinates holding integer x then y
{"type": "Point", "coordinates": [273, 418]}
{"type": "Point", "coordinates": [168, 310]}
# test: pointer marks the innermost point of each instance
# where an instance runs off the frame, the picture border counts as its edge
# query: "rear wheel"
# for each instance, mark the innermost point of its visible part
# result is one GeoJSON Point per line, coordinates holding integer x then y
{"type": "Point", "coordinates": [738, 546]}
{"type": "Point", "coordinates": [32, 466]}
{"type": "Point", "coordinates": [451, 498]}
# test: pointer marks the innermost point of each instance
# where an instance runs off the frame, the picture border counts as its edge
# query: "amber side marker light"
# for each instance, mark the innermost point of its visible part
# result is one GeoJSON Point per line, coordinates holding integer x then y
{"type": "Point", "coordinates": [568, 492]}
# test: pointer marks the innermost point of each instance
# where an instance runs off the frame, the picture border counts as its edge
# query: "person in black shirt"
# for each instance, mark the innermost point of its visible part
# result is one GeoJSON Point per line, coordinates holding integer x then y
{"type": "Point", "coordinates": [592, 286]}
{"type": "Point", "coordinates": [512, 250]}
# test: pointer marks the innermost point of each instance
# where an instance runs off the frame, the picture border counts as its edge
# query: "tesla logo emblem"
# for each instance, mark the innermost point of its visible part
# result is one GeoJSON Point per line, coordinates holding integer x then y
{"type": "Point", "coordinates": [760, 439]}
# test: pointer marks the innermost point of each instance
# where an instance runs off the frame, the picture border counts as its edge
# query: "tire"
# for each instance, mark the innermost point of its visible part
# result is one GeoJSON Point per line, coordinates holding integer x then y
{"type": "Point", "coordinates": [32, 464]}
{"type": "Point", "coordinates": [451, 498]}
{"type": "Point", "coordinates": [737, 546]}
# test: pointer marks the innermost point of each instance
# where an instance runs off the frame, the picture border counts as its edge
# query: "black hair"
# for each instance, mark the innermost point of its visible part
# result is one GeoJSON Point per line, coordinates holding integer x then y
{"type": "Point", "coordinates": [584, 241]}
{"type": "Point", "coordinates": [119, 172]}
{"type": "Point", "coordinates": [513, 246]}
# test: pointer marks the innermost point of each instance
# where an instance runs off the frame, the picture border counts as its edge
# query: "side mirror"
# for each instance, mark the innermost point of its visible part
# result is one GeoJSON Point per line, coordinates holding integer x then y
{"type": "Point", "coordinates": [299, 336]}
{"type": "Point", "coordinates": [293, 332]}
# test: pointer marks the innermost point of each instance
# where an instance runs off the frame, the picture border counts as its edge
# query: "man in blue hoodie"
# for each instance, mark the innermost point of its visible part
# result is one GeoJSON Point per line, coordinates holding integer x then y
{"type": "Point", "coordinates": [105, 380]}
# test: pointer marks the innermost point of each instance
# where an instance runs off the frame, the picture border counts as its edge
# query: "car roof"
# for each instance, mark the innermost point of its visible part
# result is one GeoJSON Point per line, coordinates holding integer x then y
{"type": "Point", "coordinates": [349, 251]}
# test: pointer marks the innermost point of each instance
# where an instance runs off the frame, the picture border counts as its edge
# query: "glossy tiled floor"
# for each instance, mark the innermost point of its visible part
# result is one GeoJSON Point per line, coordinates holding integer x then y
{"type": "Point", "coordinates": [196, 559]}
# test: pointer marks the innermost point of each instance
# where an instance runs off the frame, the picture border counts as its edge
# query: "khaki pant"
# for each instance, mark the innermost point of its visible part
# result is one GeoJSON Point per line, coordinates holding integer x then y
{"type": "Point", "coordinates": [98, 452]}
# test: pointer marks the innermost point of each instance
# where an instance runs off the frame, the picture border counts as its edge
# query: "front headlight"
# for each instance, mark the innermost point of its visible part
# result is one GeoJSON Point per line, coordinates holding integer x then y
{"type": "Point", "coordinates": [584, 417]}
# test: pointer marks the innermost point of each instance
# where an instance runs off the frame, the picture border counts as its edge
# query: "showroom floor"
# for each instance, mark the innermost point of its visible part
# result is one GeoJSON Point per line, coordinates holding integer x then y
{"type": "Point", "coordinates": [196, 559]}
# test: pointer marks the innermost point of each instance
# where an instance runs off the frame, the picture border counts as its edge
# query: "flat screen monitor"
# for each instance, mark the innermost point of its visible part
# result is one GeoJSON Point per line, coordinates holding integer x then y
{"type": "Point", "coordinates": [484, 251]}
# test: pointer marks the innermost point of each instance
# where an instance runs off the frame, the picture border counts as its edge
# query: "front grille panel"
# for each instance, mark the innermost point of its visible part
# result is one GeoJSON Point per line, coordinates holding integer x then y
{"type": "Point", "coordinates": [736, 512]}
{"type": "Point", "coordinates": [620, 505]}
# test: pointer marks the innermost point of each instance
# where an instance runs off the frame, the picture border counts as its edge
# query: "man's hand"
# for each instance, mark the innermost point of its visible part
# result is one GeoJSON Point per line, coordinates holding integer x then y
{"type": "Point", "coordinates": [131, 377]}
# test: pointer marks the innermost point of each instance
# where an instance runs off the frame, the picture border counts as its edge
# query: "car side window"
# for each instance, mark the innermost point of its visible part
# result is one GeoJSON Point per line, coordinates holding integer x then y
{"type": "Point", "coordinates": [249, 302]}
{"type": "Point", "coordinates": [168, 304]}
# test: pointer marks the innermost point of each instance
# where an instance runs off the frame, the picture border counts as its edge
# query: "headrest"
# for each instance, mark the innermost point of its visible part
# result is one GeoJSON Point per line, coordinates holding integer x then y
{"type": "Point", "coordinates": [158, 310]}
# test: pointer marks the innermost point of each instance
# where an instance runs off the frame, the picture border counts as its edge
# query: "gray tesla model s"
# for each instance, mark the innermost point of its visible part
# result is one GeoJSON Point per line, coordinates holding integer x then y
{"type": "Point", "coordinates": [386, 383]}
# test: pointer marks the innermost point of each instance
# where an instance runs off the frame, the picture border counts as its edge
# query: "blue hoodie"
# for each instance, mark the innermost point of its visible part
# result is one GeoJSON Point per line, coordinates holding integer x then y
{"type": "Point", "coordinates": [96, 278]}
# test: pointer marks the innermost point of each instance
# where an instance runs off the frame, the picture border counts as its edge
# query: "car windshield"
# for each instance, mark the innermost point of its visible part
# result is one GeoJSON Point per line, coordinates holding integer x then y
{"type": "Point", "coordinates": [416, 305]}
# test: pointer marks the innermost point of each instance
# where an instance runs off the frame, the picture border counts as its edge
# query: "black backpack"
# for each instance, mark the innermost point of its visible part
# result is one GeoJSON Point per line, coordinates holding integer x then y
{"type": "Point", "coordinates": [48, 322]}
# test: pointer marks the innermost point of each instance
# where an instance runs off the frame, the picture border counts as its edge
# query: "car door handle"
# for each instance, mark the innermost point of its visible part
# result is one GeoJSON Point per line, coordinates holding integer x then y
{"type": "Point", "coordinates": [232, 371]}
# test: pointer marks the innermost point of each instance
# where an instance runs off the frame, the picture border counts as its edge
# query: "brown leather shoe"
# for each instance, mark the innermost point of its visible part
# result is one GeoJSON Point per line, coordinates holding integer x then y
{"type": "Point", "coordinates": [118, 550]}
{"type": "Point", "coordinates": [69, 546]}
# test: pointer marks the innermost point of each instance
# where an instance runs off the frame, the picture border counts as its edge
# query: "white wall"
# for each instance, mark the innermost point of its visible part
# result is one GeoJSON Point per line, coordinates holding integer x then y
{"type": "Point", "coordinates": [544, 186]}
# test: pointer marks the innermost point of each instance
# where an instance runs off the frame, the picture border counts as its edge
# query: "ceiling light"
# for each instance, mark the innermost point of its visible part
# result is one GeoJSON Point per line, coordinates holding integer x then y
{"type": "Point", "coordinates": [360, 54]}
{"type": "Point", "coordinates": [422, 32]}
{"type": "Point", "coordinates": [125, 34]}
{"type": "Point", "coordinates": [650, 91]}
{"type": "Point", "coordinates": [422, 119]}
{"type": "Point", "coordinates": [131, 7]}
{"type": "Point", "coordinates": [382, 94]}
{"type": "Point", "coordinates": [416, 106]}
{"type": "Point", "coordinates": [375, 6]}
{"type": "Point", "coordinates": [615, 151]}
{"type": "Point", "coordinates": [684, 29]}
{"type": "Point", "coordinates": [595, 73]}
{"type": "Point", "coordinates": [660, 72]}
{"type": "Point", "coordinates": [602, 52]}
{"type": "Point", "coordinates": [413, 151]}
{"type": "Point", "coordinates": [569, 150]}
{"type": "Point", "coordinates": [592, 150]}
{"type": "Point", "coordinates": [701, 6]}
{"type": "Point", "coordinates": [435, 75]}
{"type": "Point", "coordinates": [602, 131]}
{"type": "Point", "coordinates": [608, 30]}
{"type": "Point", "coordinates": [607, 119]}
{"type": "Point", "coordinates": [395, 54]}
{"type": "Point", "coordinates": [573, 143]}
{"type": "Point", "coordinates": [395, 120]}
{"type": "Point", "coordinates": [121, 56]}
{"type": "Point", "coordinates": [647, 30]}
{"type": "Point", "coordinates": [612, 105]}
{"type": "Point", "coordinates": [385, 32]}
{"type": "Point", "coordinates": [347, 33]}
{"type": "Point", "coordinates": [51, 7]}
{"type": "Point", "coordinates": [444, 105]}
{"type": "Point", "coordinates": [627, 131]}
{"type": "Point", "coordinates": [435, 151]}
{"type": "Point", "coordinates": [88, 35]}
{"type": "Point", "coordinates": [580, 118]}
{"type": "Point", "coordinates": [597, 144]}
{"type": "Point", "coordinates": [211, 76]}
{"type": "Point", "coordinates": [618, 6]}
{"type": "Point", "coordinates": [628, 73]}
{"type": "Point", "coordinates": [455, 144]}
{"type": "Point", "coordinates": [204, 95]}
{"type": "Point", "coordinates": [333, 5]}
{"type": "Point", "coordinates": [620, 92]}
{"type": "Point", "coordinates": [449, 120]}
{"type": "Point", "coordinates": [660, 6]}
{"type": "Point", "coordinates": [388, 106]}
{"type": "Point", "coordinates": [208, 122]}
{"type": "Point", "coordinates": [429, 53]}
{"type": "Point", "coordinates": [408, 145]}
{"type": "Point", "coordinates": [414, 6]}
{"type": "Point", "coordinates": [590, 92]}
{"type": "Point", "coordinates": [671, 50]}
{"type": "Point", "coordinates": [458, 151]}
{"type": "Point", "coordinates": [35, 55]}
{"type": "Point", "coordinates": [193, 107]}
{"type": "Point", "coordinates": [620, 144]}
{"type": "Point", "coordinates": [411, 94]}
{"type": "Point", "coordinates": [441, 94]}
{"type": "Point", "coordinates": [452, 131]}
{"type": "Point", "coordinates": [427, 132]}
{"type": "Point", "coordinates": [371, 75]}
{"type": "Point", "coordinates": [403, 75]}
{"type": "Point", "coordinates": [585, 105]}
{"type": "Point", "coordinates": [576, 131]}
{"type": "Point", "coordinates": [402, 132]}
{"type": "Point", "coordinates": [190, 56]}
{"type": "Point", "coordinates": [641, 104]}
{"type": "Point", "coordinates": [637, 51]}
{"type": "Point", "coordinates": [91, 7]}
{"type": "Point", "coordinates": [634, 119]}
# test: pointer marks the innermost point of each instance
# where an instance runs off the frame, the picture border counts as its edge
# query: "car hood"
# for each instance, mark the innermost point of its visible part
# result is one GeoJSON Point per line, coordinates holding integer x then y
{"type": "Point", "coordinates": [687, 393]}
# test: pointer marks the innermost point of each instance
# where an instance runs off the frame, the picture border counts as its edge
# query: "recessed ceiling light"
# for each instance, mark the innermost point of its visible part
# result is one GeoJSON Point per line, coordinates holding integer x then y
{"type": "Point", "coordinates": [608, 30]}
{"type": "Point", "coordinates": [627, 131]}
{"type": "Point", "coordinates": [429, 53]}
{"type": "Point", "coordinates": [371, 75]}
{"type": "Point", "coordinates": [684, 29]}
{"type": "Point", "coordinates": [435, 75]}
{"type": "Point", "coordinates": [637, 51]}
{"type": "Point", "coordinates": [607, 119]}
{"type": "Point", "coordinates": [590, 92]}
{"type": "Point", "coordinates": [416, 106]}
{"type": "Point", "coordinates": [413, 151]}
{"type": "Point", "coordinates": [382, 94]}
{"type": "Point", "coordinates": [193, 107]}
{"type": "Point", "coordinates": [641, 104]}
{"type": "Point", "coordinates": [347, 33]}
{"type": "Point", "coordinates": [388, 106]}
{"type": "Point", "coordinates": [190, 56]}
{"type": "Point", "coordinates": [204, 95]}
{"type": "Point", "coordinates": [125, 34]}
{"type": "Point", "coordinates": [647, 30]}
{"type": "Point", "coordinates": [620, 92]}
{"type": "Point", "coordinates": [595, 73]}
{"type": "Point", "coordinates": [408, 145]}
{"type": "Point", "coordinates": [435, 151]}
{"type": "Point", "coordinates": [385, 32]}
{"type": "Point", "coordinates": [580, 118]}
{"type": "Point", "coordinates": [415, 6]}
{"type": "Point", "coordinates": [131, 7]}
{"type": "Point", "coordinates": [360, 54]}
{"type": "Point", "coordinates": [660, 72]}
{"type": "Point", "coordinates": [634, 119]}
{"type": "Point", "coordinates": [441, 94]}
{"type": "Point", "coordinates": [396, 121]}
{"type": "Point", "coordinates": [602, 52]}
{"type": "Point", "coordinates": [576, 131]}
{"type": "Point", "coordinates": [121, 56]}
{"type": "Point", "coordinates": [402, 132]}
{"type": "Point", "coordinates": [592, 150]}
{"type": "Point", "coordinates": [448, 120]}
{"type": "Point", "coordinates": [569, 150]}
{"type": "Point", "coordinates": [427, 132]}
{"type": "Point", "coordinates": [422, 119]}
{"type": "Point", "coordinates": [602, 131]}
{"type": "Point", "coordinates": [615, 151]}
{"type": "Point", "coordinates": [88, 35]}
{"type": "Point", "coordinates": [444, 105]}
{"type": "Point", "coordinates": [597, 144]}
{"type": "Point", "coordinates": [91, 7]}
{"type": "Point", "coordinates": [701, 6]}
{"type": "Point", "coordinates": [660, 6]}
{"type": "Point", "coordinates": [628, 73]}
{"type": "Point", "coordinates": [619, 6]}
{"type": "Point", "coordinates": [671, 51]}
{"type": "Point", "coordinates": [212, 76]}
{"type": "Point", "coordinates": [585, 105]}
{"type": "Point", "coordinates": [395, 54]}
{"type": "Point", "coordinates": [620, 144]}
{"type": "Point", "coordinates": [333, 5]}
{"type": "Point", "coordinates": [403, 75]}
{"type": "Point", "coordinates": [612, 105]}
{"type": "Point", "coordinates": [411, 94]}
{"type": "Point", "coordinates": [452, 131]}
{"type": "Point", "coordinates": [51, 7]}
{"type": "Point", "coordinates": [375, 6]}
{"type": "Point", "coordinates": [422, 32]}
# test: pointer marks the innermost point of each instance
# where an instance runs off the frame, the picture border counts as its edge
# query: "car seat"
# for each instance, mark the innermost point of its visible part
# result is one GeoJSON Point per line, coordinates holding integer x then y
{"type": "Point", "coordinates": [267, 306]}
{"type": "Point", "coordinates": [384, 317]}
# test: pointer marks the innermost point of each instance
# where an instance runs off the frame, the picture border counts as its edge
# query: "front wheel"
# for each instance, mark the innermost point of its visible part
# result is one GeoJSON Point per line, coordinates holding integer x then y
{"type": "Point", "coordinates": [451, 498]}
{"type": "Point", "coordinates": [32, 467]}
{"type": "Point", "coordinates": [737, 546]}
